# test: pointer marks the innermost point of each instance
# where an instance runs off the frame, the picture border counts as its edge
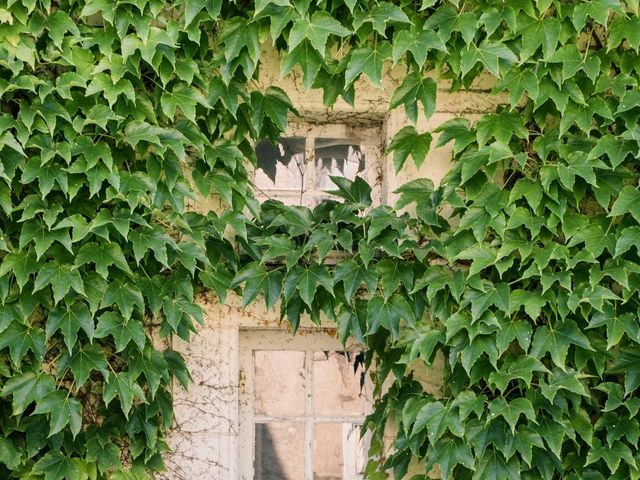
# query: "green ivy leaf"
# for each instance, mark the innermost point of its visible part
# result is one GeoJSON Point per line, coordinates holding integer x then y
{"type": "Point", "coordinates": [502, 127]}
{"type": "Point", "coordinates": [274, 105]}
{"type": "Point", "coordinates": [353, 275]}
{"type": "Point", "coordinates": [561, 380]}
{"type": "Point", "coordinates": [26, 388]}
{"type": "Point", "coordinates": [69, 319]}
{"type": "Point", "coordinates": [418, 42]}
{"type": "Point", "coordinates": [627, 361]}
{"type": "Point", "coordinates": [457, 129]}
{"type": "Point", "coordinates": [612, 455]}
{"type": "Point", "coordinates": [511, 411]}
{"type": "Point", "coordinates": [494, 56]}
{"type": "Point", "coordinates": [630, 100]}
{"type": "Point", "coordinates": [64, 411]}
{"type": "Point", "coordinates": [146, 239]}
{"type": "Point", "coordinates": [125, 295]}
{"type": "Point", "coordinates": [21, 263]}
{"type": "Point", "coordinates": [270, 283]}
{"type": "Point", "coordinates": [479, 346]}
{"type": "Point", "coordinates": [185, 98]}
{"type": "Point", "coordinates": [628, 201]}
{"type": "Point", "coordinates": [518, 82]}
{"type": "Point", "coordinates": [409, 142]}
{"type": "Point", "coordinates": [47, 175]}
{"type": "Point", "coordinates": [194, 7]}
{"type": "Point", "coordinates": [56, 466]}
{"type": "Point", "coordinates": [43, 237]}
{"type": "Point", "coordinates": [573, 61]}
{"type": "Point", "coordinates": [103, 255]}
{"type": "Point", "coordinates": [392, 274]}
{"type": "Point", "coordinates": [125, 387]}
{"type": "Point", "coordinates": [237, 34]}
{"type": "Point", "coordinates": [106, 456]}
{"type": "Point", "coordinates": [624, 29]}
{"type": "Point", "coordinates": [21, 339]}
{"type": "Point", "coordinates": [493, 466]}
{"type": "Point", "coordinates": [617, 326]}
{"type": "Point", "coordinates": [82, 362]}
{"type": "Point", "coordinates": [379, 16]}
{"type": "Point", "coordinates": [431, 418]}
{"type": "Point", "coordinates": [309, 280]}
{"type": "Point", "coordinates": [121, 329]}
{"type": "Point", "coordinates": [447, 453]}
{"type": "Point", "coordinates": [555, 339]}
{"type": "Point", "coordinates": [367, 60]}
{"type": "Point", "coordinates": [388, 313]}
{"type": "Point", "coordinates": [356, 192]}
{"type": "Point", "coordinates": [466, 23]}
{"type": "Point", "coordinates": [308, 58]}
{"type": "Point", "coordinates": [615, 148]}
{"type": "Point", "coordinates": [317, 30]}
{"type": "Point", "coordinates": [61, 277]}
{"type": "Point", "coordinates": [413, 90]}
{"type": "Point", "coordinates": [629, 237]}
{"type": "Point", "coordinates": [9, 454]}
{"type": "Point", "coordinates": [523, 368]}
{"type": "Point", "coordinates": [543, 32]}
{"type": "Point", "coordinates": [596, 9]}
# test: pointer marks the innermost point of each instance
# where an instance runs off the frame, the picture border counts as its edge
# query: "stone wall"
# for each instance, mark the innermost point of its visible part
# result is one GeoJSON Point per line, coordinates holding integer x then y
{"type": "Point", "coordinates": [205, 439]}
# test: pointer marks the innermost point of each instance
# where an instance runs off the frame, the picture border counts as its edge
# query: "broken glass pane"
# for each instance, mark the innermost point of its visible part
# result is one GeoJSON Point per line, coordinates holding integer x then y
{"type": "Point", "coordinates": [338, 451]}
{"type": "Point", "coordinates": [279, 382]}
{"type": "Point", "coordinates": [280, 166]}
{"type": "Point", "coordinates": [338, 378]}
{"type": "Point", "coordinates": [279, 451]}
{"type": "Point", "coordinates": [340, 157]}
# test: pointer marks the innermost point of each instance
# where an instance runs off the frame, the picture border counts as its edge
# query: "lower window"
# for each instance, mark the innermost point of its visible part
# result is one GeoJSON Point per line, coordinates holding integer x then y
{"type": "Point", "coordinates": [303, 400]}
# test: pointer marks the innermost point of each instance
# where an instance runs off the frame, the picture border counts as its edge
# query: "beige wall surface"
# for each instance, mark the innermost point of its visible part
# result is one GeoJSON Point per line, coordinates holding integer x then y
{"type": "Point", "coordinates": [204, 440]}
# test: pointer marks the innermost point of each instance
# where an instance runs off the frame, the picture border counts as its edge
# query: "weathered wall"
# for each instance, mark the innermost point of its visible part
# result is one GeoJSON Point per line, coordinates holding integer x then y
{"type": "Point", "coordinates": [205, 437]}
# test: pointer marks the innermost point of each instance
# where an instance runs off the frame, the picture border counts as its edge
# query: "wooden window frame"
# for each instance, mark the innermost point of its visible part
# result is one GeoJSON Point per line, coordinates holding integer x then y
{"type": "Point", "coordinates": [309, 341]}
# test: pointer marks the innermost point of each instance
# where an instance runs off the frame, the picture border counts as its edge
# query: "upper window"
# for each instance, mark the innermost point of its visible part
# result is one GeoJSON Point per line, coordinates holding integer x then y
{"type": "Point", "coordinates": [298, 168]}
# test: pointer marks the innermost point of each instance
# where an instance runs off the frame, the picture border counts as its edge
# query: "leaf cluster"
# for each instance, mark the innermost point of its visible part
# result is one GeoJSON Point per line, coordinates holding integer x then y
{"type": "Point", "coordinates": [114, 118]}
{"type": "Point", "coordinates": [519, 272]}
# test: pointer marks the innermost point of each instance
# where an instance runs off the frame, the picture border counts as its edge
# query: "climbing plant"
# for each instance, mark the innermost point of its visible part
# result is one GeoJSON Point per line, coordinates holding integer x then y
{"type": "Point", "coordinates": [519, 272]}
{"type": "Point", "coordinates": [110, 113]}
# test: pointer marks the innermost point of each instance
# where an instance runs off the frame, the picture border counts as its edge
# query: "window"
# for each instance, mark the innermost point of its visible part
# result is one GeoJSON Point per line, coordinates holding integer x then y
{"type": "Point", "coordinates": [302, 403]}
{"type": "Point", "coordinates": [298, 168]}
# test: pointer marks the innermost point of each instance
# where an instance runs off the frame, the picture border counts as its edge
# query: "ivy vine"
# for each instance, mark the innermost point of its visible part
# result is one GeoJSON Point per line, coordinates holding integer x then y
{"type": "Point", "coordinates": [520, 270]}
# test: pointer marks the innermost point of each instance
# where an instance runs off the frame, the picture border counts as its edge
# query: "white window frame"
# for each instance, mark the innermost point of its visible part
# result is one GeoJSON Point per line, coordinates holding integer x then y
{"type": "Point", "coordinates": [371, 137]}
{"type": "Point", "coordinates": [307, 340]}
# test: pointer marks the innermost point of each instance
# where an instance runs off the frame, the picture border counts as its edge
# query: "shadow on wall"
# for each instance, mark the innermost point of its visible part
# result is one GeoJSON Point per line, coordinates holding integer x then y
{"type": "Point", "coordinates": [267, 463]}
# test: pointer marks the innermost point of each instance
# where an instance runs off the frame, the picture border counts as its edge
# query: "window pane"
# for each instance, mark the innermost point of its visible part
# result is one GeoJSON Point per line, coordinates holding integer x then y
{"type": "Point", "coordinates": [280, 166]}
{"type": "Point", "coordinates": [279, 451]}
{"type": "Point", "coordinates": [337, 378]}
{"type": "Point", "coordinates": [338, 452]}
{"type": "Point", "coordinates": [279, 382]}
{"type": "Point", "coordinates": [340, 157]}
